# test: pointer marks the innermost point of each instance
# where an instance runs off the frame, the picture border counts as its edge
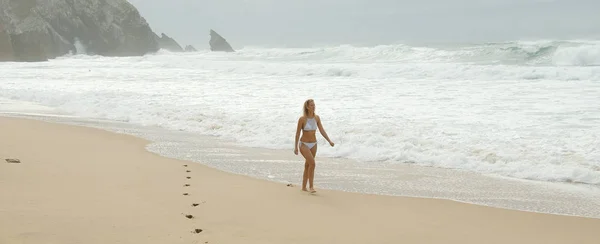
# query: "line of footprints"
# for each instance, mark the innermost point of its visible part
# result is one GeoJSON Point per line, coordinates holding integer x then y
{"type": "Point", "coordinates": [189, 216]}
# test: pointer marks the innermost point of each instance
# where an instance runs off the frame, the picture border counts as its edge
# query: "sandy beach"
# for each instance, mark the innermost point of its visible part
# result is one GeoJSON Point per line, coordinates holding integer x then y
{"type": "Point", "coordinates": [83, 185]}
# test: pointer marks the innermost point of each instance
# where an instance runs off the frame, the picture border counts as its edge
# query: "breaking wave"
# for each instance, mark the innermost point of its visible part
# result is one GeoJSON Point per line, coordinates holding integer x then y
{"type": "Point", "coordinates": [557, 53]}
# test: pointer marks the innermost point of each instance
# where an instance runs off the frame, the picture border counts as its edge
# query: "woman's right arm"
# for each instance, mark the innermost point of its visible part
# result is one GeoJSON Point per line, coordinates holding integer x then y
{"type": "Point", "coordinates": [298, 129]}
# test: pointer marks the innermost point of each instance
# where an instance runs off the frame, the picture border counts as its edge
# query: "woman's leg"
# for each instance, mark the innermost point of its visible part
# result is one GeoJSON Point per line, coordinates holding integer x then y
{"type": "Point", "coordinates": [305, 176]}
{"type": "Point", "coordinates": [311, 175]}
{"type": "Point", "coordinates": [309, 165]}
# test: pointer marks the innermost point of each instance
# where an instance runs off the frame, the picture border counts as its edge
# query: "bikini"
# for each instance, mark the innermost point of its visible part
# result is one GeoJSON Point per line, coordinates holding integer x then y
{"type": "Point", "coordinates": [311, 125]}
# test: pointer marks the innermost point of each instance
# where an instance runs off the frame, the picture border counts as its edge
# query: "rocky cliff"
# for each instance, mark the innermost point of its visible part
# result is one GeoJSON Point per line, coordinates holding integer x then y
{"type": "Point", "coordinates": [6, 49]}
{"type": "Point", "coordinates": [218, 43]}
{"type": "Point", "coordinates": [38, 30]}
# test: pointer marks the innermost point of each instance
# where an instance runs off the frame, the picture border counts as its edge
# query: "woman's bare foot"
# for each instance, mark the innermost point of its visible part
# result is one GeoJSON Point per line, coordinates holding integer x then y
{"type": "Point", "coordinates": [312, 190]}
{"type": "Point", "coordinates": [304, 189]}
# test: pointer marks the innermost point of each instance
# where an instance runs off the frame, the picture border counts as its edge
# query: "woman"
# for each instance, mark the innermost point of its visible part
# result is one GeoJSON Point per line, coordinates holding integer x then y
{"type": "Point", "coordinates": [308, 143]}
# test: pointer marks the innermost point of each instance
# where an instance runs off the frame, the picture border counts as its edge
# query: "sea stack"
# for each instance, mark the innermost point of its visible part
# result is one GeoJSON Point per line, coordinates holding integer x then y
{"type": "Point", "coordinates": [168, 43]}
{"type": "Point", "coordinates": [218, 43]}
{"type": "Point", "coordinates": [190, 48]}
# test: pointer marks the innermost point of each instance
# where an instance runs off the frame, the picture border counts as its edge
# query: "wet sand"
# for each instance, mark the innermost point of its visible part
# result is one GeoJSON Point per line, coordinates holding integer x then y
{"type": "Point", "coordinates": [83, 185]}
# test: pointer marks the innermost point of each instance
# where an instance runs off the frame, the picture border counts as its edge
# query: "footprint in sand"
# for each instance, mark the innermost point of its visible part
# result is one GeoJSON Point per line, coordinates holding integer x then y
{"type": "Point", "coordinates": [13, 160]}
{"type": "Point", "coordinates": [189, 216]}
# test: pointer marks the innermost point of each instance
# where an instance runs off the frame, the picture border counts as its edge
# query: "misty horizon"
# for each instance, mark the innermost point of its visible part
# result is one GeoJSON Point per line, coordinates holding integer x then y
{"type": "Point", "coordinates": [359, 22]}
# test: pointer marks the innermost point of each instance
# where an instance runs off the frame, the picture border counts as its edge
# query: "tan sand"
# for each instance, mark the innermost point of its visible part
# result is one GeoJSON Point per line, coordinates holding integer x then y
{"type": "Point", "coordinates": [86, 186]}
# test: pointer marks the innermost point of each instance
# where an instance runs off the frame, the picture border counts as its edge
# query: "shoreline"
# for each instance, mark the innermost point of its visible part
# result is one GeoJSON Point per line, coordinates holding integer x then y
{"type": "Point", "coordinates": [395, 181]}
{"type": "Point", "coordinates": [77, 184]}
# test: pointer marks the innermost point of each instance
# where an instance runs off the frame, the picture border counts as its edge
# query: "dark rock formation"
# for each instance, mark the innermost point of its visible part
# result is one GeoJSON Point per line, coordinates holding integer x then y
{"type": "Point", "coordinates": [190, 48]}
{"type": "Point", "coordinates": [218, 43]}
{"type": "Point", "coordinates": [6, 49]}
{"type": "Point", "coordinates": [168, 43]}
{"type": "Point", "coordinates": [38, 30]}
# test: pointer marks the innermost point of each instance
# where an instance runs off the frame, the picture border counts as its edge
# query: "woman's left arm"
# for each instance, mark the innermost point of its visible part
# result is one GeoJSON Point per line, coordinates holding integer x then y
{"type": "Point", "coordinates": [323, 130]}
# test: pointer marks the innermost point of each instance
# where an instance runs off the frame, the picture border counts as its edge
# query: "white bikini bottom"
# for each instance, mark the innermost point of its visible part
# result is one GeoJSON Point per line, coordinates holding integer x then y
{"type": "Point", "coordinates": [309, 144]}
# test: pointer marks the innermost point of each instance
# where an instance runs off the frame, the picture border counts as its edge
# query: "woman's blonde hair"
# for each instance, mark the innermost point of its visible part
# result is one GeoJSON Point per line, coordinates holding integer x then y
{"type": "Point", "coordinates": [305, 110]}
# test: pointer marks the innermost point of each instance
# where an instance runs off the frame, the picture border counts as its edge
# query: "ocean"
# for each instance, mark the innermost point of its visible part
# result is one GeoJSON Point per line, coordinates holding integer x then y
{"type": "Point", "coordinates": [511, 124]}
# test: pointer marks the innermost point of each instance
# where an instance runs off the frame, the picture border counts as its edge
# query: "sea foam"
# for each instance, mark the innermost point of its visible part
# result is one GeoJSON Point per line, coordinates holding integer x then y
{"type": "Point", "coordinates": [523, 110]}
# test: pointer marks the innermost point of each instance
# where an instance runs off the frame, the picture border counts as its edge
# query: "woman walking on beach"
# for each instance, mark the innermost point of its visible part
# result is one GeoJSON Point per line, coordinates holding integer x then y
{"type": "Point", "coordinates": [308, 124]}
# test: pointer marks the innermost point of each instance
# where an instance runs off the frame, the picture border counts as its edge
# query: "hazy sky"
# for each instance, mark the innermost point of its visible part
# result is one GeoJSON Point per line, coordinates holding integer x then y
{"type": "Point", "coordinates": [369, 22]}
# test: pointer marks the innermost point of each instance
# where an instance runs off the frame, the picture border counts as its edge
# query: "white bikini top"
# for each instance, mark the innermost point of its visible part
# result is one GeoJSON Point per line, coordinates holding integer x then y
{"type": "Point", "coordinates": [311, 124]}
